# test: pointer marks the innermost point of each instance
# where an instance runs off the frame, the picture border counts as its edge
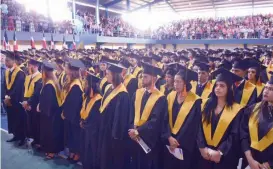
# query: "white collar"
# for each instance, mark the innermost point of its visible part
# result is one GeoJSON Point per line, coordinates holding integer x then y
{"type": "Point", "coordinates": [11, 69]}
{"type": "Point", "coordinates": [35, 74]}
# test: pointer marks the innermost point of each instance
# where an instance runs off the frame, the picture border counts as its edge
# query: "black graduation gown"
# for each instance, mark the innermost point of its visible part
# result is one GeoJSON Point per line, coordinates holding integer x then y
{"type": "Point", "coordinates": [52, 125]}
{"type": "Point", "coordinates": [264, 126]}
{"type": "Point", "coordinates": [238, 92]}
{"type": "Point", "coordinates": [89, 137]}
{"type": "Point", "coordinates": [132, 87]}
{"type": "Point", "coordinates": [102, 88]}
{"type": "Point", "coordinates": [71, 109]}
{"type": "Point", "coordinates": [228, 145]}
{"type": "Point", "coordinates": [113, 131]}
{"type": "Point", "coordinates": [200, 89]}
{"type": "Point", "coordinates": [186, 137]}
{"type": "Point", "coordinates": [151, 132]}
{"type": "Point", "coordinates": [33, 117]}
{"type": "Point", "coordinates": [16, 113]}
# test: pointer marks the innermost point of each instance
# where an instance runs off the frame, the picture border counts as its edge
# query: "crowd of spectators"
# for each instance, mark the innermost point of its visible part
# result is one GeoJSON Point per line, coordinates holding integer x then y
{"type": "Point", "coordinates": [258, 26]}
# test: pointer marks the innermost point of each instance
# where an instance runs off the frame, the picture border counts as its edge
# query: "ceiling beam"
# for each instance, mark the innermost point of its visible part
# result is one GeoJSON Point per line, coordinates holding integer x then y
{"type": "Point", "coordinates": [147, 5]}
{"type": "Point", "coordinates": [111, 3]}
{"type": "Point", "coordinates": [170, 6]}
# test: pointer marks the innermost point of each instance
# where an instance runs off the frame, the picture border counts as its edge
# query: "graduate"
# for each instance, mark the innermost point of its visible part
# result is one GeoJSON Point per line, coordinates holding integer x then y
{"type": "Point", "coordinates": [32, 88]}
{"type": "Point", "coordinates": [169, 78]}
{"type": "Point", "coordinates": [218, 137]}
{"type": "Point", "coordinates": [184, 108]}
{"type": "Point", "coordinates": [51, 123]}
{"type": "Point", "coordinates": [61, 76]}
{"type": "Point", "coordinates": [203, 87]}
{"type": "Point", "coordinates": [148, 113]}
{"type": "Point", "coordinates": [135, 70]}
{"type": "Point", "coordinates": [130, 81]}
{"type": "Point", "coordinates": [14, 93]}
{"type": "Point", "coordinates": [90, 120]}
{"type": "Point", "coordinates": [114, 121]}
{"type": "Point", "coordinates": [256, 131]}
{"type": "Point", "coordinates": [245, 93]}
{"type": "Point", "coordinates": [72, 103]}
{"type": "Point", "coordinates": [254, 76]}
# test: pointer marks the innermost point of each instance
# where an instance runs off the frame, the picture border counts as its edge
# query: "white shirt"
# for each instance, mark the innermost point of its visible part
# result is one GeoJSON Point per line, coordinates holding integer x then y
{"type": "Point", "coordinates": [35, 74]}
{"type": "Point", "coordinates": [11, 69]}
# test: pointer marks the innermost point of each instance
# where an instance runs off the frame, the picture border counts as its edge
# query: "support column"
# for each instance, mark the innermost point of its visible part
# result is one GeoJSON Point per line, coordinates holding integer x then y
{"type": "Point", "coordinates": [206, 46]}
{"type": "Point", "coordinates": [98, 12]}
{"type": "Point", "coordinates": [98, 45]}
{"type": "Point", "coordinates": [174, 46]}
{"type": "Point", "coordinates": [245, 46]}
{"type": "Point", "coordinates": [128, 5]}
{"type": "Point", "coordinates": [129, 46]}
{"type": "Point", "coordinates": [48, 8]}
{"type": "Point", "coordinates": [164, 46]}
{"type": "Point", "coordinates": [106, 12]}
{"type": "Point", "coordinates": [73, 10]}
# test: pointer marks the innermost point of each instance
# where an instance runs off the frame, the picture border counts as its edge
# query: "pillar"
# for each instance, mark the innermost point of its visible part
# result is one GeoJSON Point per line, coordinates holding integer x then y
{"type": "Point", "coordinates": [128, 5]}
{"type": "Point", "coordinates": [206, 46]}
{"type": "Point", "coordinates": [174, 46]}
{"type": "Point", "coordinates": [98, 12]}
{"type": "Point", "coordinates": [245, 46]}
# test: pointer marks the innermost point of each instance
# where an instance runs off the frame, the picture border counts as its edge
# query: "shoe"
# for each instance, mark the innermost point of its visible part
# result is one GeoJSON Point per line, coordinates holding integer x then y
{"type": "Point", "coordinates": [21, 143]}
{"type": "Point", "coordinates": [12, 140]}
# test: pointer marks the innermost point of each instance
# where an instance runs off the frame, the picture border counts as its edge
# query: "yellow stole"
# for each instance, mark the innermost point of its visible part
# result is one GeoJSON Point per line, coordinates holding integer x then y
{"type": "Point", "coordinates": [61, 78]}
{"type": "Point", "coordinates": [86, 109]}
{"type": "Point", "coordinates": [75, 82]}
{"type": "Point", "coordinates": [113, 94]}
{"type": "Point", "coordinates": [247, 92]}
{"type": "Point", "coordinates": [91, 69]}
{"type": "Point", "coordinates": [103, 81]}
{"type": "Point", "coordinates": [136, 71]}
{"type": "Point", "coordinates": [156, 94]}
{"type": "Point", "coordinates": [193, 86]}
{"type": "Point", "coordinates": [226, 118]}
{"type": "Point", "coordinates": [160, 65]}
{"type": "Point", "coordinates": [259, 87]}
{"type": "Point", "coordinates": [207, 90]}
{"type": "Point", "coordinates": [59, 99]}
{"type": "Point", "coordinates": [183, 112]}
{"type": "Point", "coordinates": [13, 76]}
{"type": "Point", "coordinates": [266, 141]}
{"type": "Point", "coordinates": [163, 88]}
{"type": "Point", "coordinates": [29, 88]}
{"type": "Point", "coordinates": [127, 79]}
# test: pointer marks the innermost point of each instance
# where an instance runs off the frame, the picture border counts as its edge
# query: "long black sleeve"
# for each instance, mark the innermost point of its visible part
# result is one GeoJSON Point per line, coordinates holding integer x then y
{"type": "Point", "coordinates": [34, 99]}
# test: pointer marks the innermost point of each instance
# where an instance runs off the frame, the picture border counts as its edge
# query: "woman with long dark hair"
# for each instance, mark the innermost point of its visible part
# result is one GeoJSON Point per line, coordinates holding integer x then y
{"type": "Point", "coordinates": [184, 109]}
{"type": "Point", "coordinates": [90, 118]}
{"type": "Point", "coordinates": [51, 124]}
{"type": "Point", "coordinates": [72, 103]}
{"type": "Point", "coordinates": [114, 120]}
{"type": "Point", "coordinates": [218, 138]}
{"type": "Point", "coordinates": [256, 131]}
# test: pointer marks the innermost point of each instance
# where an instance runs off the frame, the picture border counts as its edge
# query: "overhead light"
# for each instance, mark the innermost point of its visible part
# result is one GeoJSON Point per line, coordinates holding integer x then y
{"type": "Point", "coordinates": [229, 0]}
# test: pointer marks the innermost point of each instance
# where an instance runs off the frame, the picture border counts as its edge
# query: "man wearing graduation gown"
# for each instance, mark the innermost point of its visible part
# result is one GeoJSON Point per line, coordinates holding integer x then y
{"type": "Point", "coordinates": [14, 92]}
{"type": "Point", "coordinates": [60, 72]}
{"type": "Point", "coordinates": [245, 93]}
{"type": "Point", "coordinates": [33, 85]}
{"type": "Point", "coordinates": [169, 77]}
{"type": "Point", "coordinates": [182, 128]}
{"type": "Point", "coordinates": [90, 120]}
{"type": "Point", "coordinates": [130, 81]}
{"type": "Point", "coordinates": [135, 70]}
{"type": "Point", "coordinates": [204, 87]}
{"type": "Point", "coordinates": [147, 115]}
{"type": "Point", "coordinates": [256, 132]}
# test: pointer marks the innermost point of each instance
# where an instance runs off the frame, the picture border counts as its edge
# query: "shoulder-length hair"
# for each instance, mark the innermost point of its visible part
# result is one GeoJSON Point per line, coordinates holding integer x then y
{"type": "Point", "coordinates": [212, 102]}
{"type": "Point", "coordinates": [74, 74]}
{"type": "Point", "coordinates": [50, 75]}
{"type": "Point", "coordinates": [117, 79]}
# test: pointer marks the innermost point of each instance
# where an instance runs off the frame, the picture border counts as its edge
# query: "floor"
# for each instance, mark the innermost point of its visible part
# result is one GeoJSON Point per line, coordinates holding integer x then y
{"type": "Point", "coordinates": [13, 157]}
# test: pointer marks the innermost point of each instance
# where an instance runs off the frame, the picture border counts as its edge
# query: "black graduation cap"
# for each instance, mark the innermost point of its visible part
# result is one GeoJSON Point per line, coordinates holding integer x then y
{"type": "Point", "coordinates": [222, 74]}
{"type": "Point", "coordinates": [189, 75]}
{"type": "Point", "coordinates": [171, 71]}
{"type": "Point", "coordinates": [92, 78]}
{"type": "Point", "coordinates": [201, 58]}
{"type": "Point", "coordinates": [253, 63]}
{"type": "Point", "coordinates": [150, 69]}
{"type": "Point", "coordinates": [115, 67]}
{"type": "Point", "coordinates": [33, 61]}
{"type": "Point", "coordinates": [240, 64]}
{"type": "Point", "coordinates": [202, 66]}
{"type": "Point", "coordinates": [225, 64]}
{"type": "Point", "coordinates": [48, 66]}
{"type": "Point", "coordinates": [105, 59]}
{"type": "Point", "coordinates": [270, 81]}
{"type": "Point", "coordinates": [156, 57]}
{"type": "Point", "coordinates": [75, 64]}
{"type": "Point", "coordinates": [184, 58]}
{"type": "Point", "coordinates": [125, 63]}
{"type": "Point", "coordinates": [146, 59]}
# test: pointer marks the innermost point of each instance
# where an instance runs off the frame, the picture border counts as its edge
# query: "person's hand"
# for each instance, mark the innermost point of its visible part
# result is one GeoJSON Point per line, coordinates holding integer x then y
{"type": "Point", "coordinates": [133, 133]}
{"type": "Point", "coordinates": [265, 165]}
{"type": "Point", "coordinates": [62, 115]}
{"type": "Point", "coordinates": [81, 124]}
{"type": "Point", "coordinates": [38, 108]}
{"type": "Point", "coordinates": [173, 143]}
{"type": "Point", "coordinates": [215, 156]}
{"type": "Point", "coordinates": [204, 152]}
{"type": "Point", "coordinates": [25, 105]}
{"type": "Point", "coordinates": [28, 108]}
{"type": "Point", "coordinates": [253, 164]}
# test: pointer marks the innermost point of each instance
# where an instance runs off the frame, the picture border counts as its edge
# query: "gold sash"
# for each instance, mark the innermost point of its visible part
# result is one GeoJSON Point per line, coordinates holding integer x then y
{"type": "Point", "coordinates": [266, 141]}
{"type": "Point", "coordinates": [207, 90]}
{"type": "Point", "coordinates": [259, 87]}
{"type": "Point", "coordinates": [162, 88]}
{"type": "Point", "coordinates": [29, 88]}
{"type": "Point", "coordinates": [156, 94]}
{"type": "Point", "coordinates": [13, 76]}
{"type": "Point", "coordinates": [136, 71]}
{"type": "Point", "coordinates": [86, 109]}
{"type": "Point", "coordinates": [183, 112]}
{"type": "Point", "coordinates": [59, 99]}
{"type": "Point", "coordinates": [61, 78]}
{"type": "Point", "coordinates": [226, 118]}
{"type": "Point", "coordinates": [75, 82]}
{"type": "Point", "coordinates": [193, 86]}
{"type": "Point", "coordinates": [106, 101]}
{"type": "Point", "coordinates": [127, 79]}
{"type": "Point", "coordinates": [247, 92]}
{"type": "Point", "coordinates": [103, 81]}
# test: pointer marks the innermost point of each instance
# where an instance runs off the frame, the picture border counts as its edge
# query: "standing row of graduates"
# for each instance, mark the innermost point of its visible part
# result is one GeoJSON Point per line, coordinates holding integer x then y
{"type": "Point", "coordinates": [101, 118]}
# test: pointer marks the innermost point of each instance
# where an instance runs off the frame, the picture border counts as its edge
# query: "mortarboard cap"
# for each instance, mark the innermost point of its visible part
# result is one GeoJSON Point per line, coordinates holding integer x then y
{"type": "Point", "coordinates": [115, 67]}
{"type": "Point", "coordinates": [222, 74]}
{"type": "Point", "coordinates": [202, 66]}
{"type": "Point", "coordinates": [225, 64]}
{"type": "Point", "coordinates": [240, 64]}
{"type": "Point", "coordinates": [48, 66]}
{"type": "Point", "coordinates": [150, 69]}
{"type": "Point", "coordinates": [92, 78]}
{"type": "Point", "coordinates": [36, 61]}
{"type": "Point", "coordinates": [188, 74]}
{"type": "Point", "coordinates": [75, 64]}
{"type": "Point", "coordinates": [125, 63]}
